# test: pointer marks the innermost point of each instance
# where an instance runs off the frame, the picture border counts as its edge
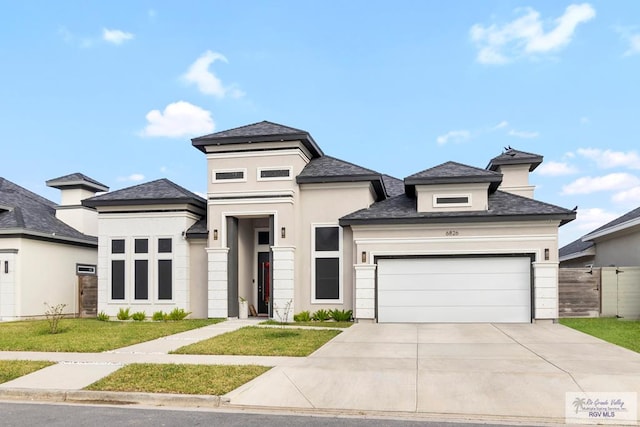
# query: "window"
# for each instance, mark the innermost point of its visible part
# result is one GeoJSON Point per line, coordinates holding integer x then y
{"type": "Point", "coordinates": [117, 246]}
{"type": "Point", "coordinates": [327, 263]}
{"type": "Point", "coordinates": [141, 246]}
{"type": "Point", "coordinates": [274, 174]}
{"type": "Point", "coordinates": [229, 175]}
{"type": "Point", "coordinates": [263, 238]}
{"type": "Point", "coordinates": [450, 200]}
{"type": "Point", "coordinates": [141, 286]}
{"type": "Point", "coordinates": [117, 279]}
{"type": "Point", "coordinates": [85, 270]}
{"type": "Point", "coordinates": [165, 269]}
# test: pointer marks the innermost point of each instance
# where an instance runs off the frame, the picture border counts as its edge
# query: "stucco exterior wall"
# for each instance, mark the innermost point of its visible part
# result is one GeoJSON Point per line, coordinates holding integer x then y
{"type": "Point", "coordinates": [40, 272]}
{"type": "Point", "coordinates": [621, 250]}
{"type": "Point", "coordinates": [198, 278]}
{"type": "Point", "coordinates": [83, 219]}
{"type": "Point", "coordinates": [515, 180]}
{"type": "Point", "coordinates": [150, 225]}
{"type": "Point", "coordinates": [477, 194]}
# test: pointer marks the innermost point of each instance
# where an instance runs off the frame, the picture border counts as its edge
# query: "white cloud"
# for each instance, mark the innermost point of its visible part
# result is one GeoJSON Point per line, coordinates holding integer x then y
{"type": "Point", "coordinates": [523, 134]}
{"type": "Point", "coordinates": [116, 37]}
{"type": "Point", "coordinates": [607, 159]}
{"type": "Point", "coordinates": [500, 44]}
{"type": "Point", "coordinates": [556, 169]}
{"type": "Point", "coordinates": [503, 124]}
{"type": "Point", "coordinates": [207, 82]}
{"type": "Point", "coordinates": [589, 219]}
{"type": "Point", "coordinates": [584, 120]}
{"type": "Point", "coordinates": [453, 136]}
{"type": "Point", "coordinates": [630, 196]}
{"type": "Point", "coordinates": [614, 181]}
{"type": "Point", "coordinates": [135, 177]}
{"type": "Point", "coordinates": [178, 119]}
{"type": "Point", "coordinates": [634, 45]}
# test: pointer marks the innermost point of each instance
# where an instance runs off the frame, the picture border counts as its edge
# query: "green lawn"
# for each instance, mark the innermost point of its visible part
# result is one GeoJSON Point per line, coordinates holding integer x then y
{"type": "Point", "coordinates": [256, 341]}
{"type": "Point", "coordinates": [87, 335]}
{"type": "Point", "coordinates": [12, 369]}
{"type": "Point", "coordinates": [625, 333]}
{"type": "Point", "coordinates": [313, 323]}
{"type": "Point", "coordinates": [182, 379]}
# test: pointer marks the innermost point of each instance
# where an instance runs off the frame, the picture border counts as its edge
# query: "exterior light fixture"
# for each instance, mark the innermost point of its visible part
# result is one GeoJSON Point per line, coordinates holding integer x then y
{"type": "Point", "coordinates": [546, 254]}
{"type": "Point", "coordinates": [215, 234]}
{"type": "Point", "coordinates": [283, 232]}
{"type": "Point", "coordinates": [364, 256]}
{"type": "Point", "coordinates": [6, 267]}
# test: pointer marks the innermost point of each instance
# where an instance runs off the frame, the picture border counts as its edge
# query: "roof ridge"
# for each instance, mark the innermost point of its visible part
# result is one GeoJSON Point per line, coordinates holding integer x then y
{"type": "Point", "coordinates": [181, 188]}
{"type": "Point", "coordinates": [350, 163]}
{"type": "Point", "coordinates": [531, 199]}
{"type": "Point", "coordinates": [28, 193]}
{"type": "Point", "coordinates": [295, 130]}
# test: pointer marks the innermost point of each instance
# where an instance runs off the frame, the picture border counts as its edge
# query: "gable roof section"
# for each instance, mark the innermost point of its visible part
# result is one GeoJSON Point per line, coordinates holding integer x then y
{"type": "Point", "coordinates": [161, 191]}
{"type": "Point", "coordinates": [576, 249]}
{"type": "Point", "coordinates": [77, 180]}
{"type": "Point", "coordinates": [515, 157]}
{"type": "Point", "coordinates": [502, 207]}
{"type": "Point", "coordinates": [394, 186]}
{"type": "Point", "coordinates": [25, 213]}
{"type": "Point", "coordinates": [452, 173]}
{"type": "Point", "coordinates": [624, 222]}
{"type": "Point", "coordinates": [327, 169]}
{"type": "Point", "coordinates": [258, 132]}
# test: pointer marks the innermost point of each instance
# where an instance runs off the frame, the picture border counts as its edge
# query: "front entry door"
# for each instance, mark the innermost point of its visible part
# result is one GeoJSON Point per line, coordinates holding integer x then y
{"type": "Point", "coordinates": [264, 283]}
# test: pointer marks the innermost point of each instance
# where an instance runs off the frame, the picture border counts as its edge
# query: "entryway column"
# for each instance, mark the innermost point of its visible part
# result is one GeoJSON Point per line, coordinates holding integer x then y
{"type": "Point", "coordinates": [365, 306]}
{"type": "Point", "coordinates": [545, 282]}
{"type": "Point", "coordinates": [8, 269]}
{"type": "Point", "coordinates": [283, 282]}
{"type": "Point", "coordinates": [217, 305]}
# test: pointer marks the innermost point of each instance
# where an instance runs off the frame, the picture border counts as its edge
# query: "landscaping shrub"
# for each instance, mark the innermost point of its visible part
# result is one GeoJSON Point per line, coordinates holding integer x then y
{"type": "Point", "coordinates": [178, 314]}
{"type": "Point", "coordinates": [321, 315]}
{"type": "Point", "coordinates": [303, 316]}
{"type": "Point", "coordinates": [341, 315]}
{"type": "Point", "coordinates": [102, 316]}
{"type": "Point", "coordinates": [139, 316]}
{"type": "Point", "coordinates": [123, 314]}
{"type": "Point", "coordinates": [53, 315]}
{"type": "Point", "coordinates": [158, 316]}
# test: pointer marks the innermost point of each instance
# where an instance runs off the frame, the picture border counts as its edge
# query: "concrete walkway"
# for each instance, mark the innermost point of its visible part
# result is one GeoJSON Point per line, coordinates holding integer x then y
{"type": "Point", "coordinates": [455, 371]}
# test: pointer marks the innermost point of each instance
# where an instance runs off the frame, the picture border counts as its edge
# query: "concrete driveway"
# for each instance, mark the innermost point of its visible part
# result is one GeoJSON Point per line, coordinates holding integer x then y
{"type": "Point", "coordinates": [515, 370]}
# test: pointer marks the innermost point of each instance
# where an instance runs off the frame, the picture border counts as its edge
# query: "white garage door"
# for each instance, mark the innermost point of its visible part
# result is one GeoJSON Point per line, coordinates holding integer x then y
{"type": "Point", "coordinates": [454, 290]}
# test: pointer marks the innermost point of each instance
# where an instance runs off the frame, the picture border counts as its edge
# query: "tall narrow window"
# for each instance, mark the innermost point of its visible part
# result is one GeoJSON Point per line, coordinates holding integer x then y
{"type": "Point", "coordinates": [141, 269]}
{"type": "Point", "coordinates": [117, 269]}
{"type": "Point", "coordinates": [165, 269]}
{"type": "Point", "coordinates": [327, 264]}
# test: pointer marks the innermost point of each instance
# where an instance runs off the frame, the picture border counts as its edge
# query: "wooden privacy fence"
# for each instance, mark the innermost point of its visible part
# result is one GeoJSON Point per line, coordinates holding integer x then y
{"type": "Point", "coordinates": [602, 291]}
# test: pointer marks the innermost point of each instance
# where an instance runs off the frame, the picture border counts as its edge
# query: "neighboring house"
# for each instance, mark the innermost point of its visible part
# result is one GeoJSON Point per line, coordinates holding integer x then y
{"type": "Point", "coordinates": [616, 243]}
{"type": "Point", "coordinates": [285, 225]}
{"type": "Point", "coordinates": [44, 246]}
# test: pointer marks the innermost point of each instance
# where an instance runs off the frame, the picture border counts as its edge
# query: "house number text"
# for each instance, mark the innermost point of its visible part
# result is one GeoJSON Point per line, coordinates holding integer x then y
{"type": "Point", "coordinates": [451, 233]}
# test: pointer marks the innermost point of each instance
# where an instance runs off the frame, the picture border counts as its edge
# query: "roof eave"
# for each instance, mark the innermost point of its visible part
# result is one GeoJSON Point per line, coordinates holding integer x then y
{"type": "Point", "coordinates": [307, 140]}
{"type": "Point", "coordinates": [574, 255]}
{"type": "Point", "coordinates": [49, 236]}
{"type": "Point", "coordinates": [611, 230]}
{"type": "Point", "coordinates": [201, 204]}
{"type": "Point", "coordinates": [452, 219]}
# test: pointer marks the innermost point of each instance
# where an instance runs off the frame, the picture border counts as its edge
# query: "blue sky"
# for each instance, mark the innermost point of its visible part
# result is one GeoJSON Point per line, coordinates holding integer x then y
{"type": "Point", "coordinates": [116, 89]}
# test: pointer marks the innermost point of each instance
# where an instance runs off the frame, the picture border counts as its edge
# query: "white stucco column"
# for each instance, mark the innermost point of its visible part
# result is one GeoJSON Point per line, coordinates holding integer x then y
{"type": "Point", "coordinates": [282, 282]}
{"type": "Point", "coordinates": [8, 284]}
{"type": "Point", "coordinates": [545, 282]}
{"type": "Point", "coordinates": [365, 304]}
{"type": "Point", "coordinates": [217, 304]}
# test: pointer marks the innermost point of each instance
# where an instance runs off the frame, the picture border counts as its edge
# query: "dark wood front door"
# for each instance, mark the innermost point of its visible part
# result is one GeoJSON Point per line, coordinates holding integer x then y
{"type": "Point", "coordinates": [264, 283]}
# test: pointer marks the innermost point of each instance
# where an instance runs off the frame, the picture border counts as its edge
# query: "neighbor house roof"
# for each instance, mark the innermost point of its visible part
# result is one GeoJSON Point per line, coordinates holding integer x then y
{"type": "Point", "coordinates": [576, 249]}
{"type": "Point", "coordinates": [25, 213]}
{"type": "Point", "coordinates": [512, 156]}
{"type": "Point", "coordinates": [502, 207]}
{"type": "Point", "coordinates": [256, 133]}
{"type": "Point", "coordinates": [77, 180]}
{"type": "Point", "coordinates": [329, 169]}
{"type": "Point", "coordinates": [624, 222]}
{"type": "Point", "coordinates": [452, 173]}
{"type": "Point", "coordinates": [161, 191]}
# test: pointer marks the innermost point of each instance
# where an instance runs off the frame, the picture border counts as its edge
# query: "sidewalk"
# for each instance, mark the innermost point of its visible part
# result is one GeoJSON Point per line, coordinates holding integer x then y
{"type": "Point", "coordinates": [74, 371]}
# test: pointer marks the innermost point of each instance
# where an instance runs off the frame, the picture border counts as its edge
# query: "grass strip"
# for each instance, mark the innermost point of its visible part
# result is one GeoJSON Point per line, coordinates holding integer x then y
{"type": "Point", "coordinates": [256, 341]}
{"type": "Point", "coordinates": [213, 380]}
{"type": "Point", "coordinates": [87, 335]}
{"type": "Point", "coordinates": [315, 324]}
{"type": "Point", "coordinates": [12, 369]}
{"type": "Point", "coordinates": [625, 333]}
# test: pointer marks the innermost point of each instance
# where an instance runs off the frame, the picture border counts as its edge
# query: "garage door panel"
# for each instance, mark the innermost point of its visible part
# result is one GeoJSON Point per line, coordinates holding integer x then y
{"type": "Point", "coordinates": [449, 315]}
{"type": "Point", "coordinates": [453, 281]}
{"type": "Point", "coordinates": [465, 298]}
{"type": "Point", "coordinates": [480, 289]}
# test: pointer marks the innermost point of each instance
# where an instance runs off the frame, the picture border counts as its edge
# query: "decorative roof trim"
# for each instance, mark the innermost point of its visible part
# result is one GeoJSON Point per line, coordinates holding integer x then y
{"type": "Point", "coordinates": [613, 229]}
{"type": "Point", "coordinates": [453, 219]}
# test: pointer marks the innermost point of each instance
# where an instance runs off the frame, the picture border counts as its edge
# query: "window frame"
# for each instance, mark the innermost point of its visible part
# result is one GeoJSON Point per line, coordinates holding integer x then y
{"type": "Point", "coordinates": [118, 256]}
{"type": "Point", "coordinates": [276, 178]}
{"type": "Point", "coordinates": [218, 181]}
{"type": "Point", "coordinates": [468, 203]}
{"type": "Point", "coordinates": [142, 256]}
{"type": "Point", "coordinates": [164, 256]}
{"type": "Point", "coordinates": [339, 254]}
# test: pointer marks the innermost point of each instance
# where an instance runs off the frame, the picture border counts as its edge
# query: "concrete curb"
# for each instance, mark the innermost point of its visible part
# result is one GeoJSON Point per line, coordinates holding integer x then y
{"type": "Point", "coordinates": [113, 397]}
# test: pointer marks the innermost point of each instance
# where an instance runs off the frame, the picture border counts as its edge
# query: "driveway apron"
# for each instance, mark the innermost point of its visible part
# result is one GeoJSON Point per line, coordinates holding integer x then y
{"type": "Point", "coordinates": [510, 370]}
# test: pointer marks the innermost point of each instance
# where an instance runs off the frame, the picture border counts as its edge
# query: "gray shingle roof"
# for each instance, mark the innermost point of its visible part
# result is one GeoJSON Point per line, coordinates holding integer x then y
{"type": "Point", "coordinates": [452, 173]}
{"type": "Point", "coordinates": [199, 229]}
{"type": "Point", "coordinates": [161, 191]}
{"type": "Point", "coordinates": [77, 180]}
{"type": "Point", "coordinates": [24, 212]}
{"type": "Point", "coordinates": [258, 132]}
{"type": "Point", "coordinates": [329, 169]}
{"type": "Point", "coordinates": [575, 247]}
{"type": "Point", "coordinates": [629, 216]}
{"type": "Point", "coordinates": [394, 186]}
{"type": "Point", "coordinates": [515, 157]}
{"type": "Point", "coordinates": [502, 207]}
